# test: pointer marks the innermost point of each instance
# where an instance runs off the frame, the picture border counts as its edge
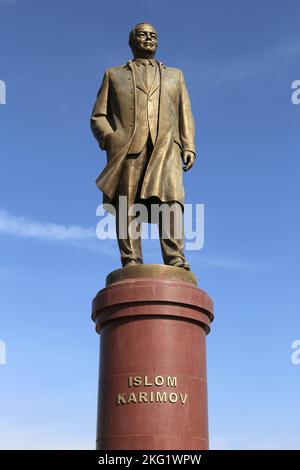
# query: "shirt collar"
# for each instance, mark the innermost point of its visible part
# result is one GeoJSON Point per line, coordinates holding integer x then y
{"type": "Point", "coordinates": [140, 62]}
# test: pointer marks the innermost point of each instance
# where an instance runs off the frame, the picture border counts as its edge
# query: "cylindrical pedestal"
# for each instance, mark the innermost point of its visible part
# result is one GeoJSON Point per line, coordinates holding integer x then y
{"type": "Point", "coordinates": [152, 377]}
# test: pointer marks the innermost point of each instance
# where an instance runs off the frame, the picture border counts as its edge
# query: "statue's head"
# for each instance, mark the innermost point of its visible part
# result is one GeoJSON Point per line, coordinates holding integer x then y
{"type": "Point", "coordinates": [143, 41]}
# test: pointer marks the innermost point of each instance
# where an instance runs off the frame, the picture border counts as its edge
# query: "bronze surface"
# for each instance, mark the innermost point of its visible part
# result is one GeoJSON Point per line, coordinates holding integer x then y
{"type": "Point", "coordinates": [140, 101]}
{"type": "Point", "coordinates": [151, 271]}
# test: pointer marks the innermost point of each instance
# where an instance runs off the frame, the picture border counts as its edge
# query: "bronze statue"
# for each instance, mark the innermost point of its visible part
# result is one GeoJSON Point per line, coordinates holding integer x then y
{"type": "Point", "coordinates": [143, 119]}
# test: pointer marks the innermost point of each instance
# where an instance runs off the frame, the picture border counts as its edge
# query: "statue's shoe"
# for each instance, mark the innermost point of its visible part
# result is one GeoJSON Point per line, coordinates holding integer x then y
{"type": "Point", "coordinates": [132, 262]}
{"type": "Point", "coordinates": [181, 264]}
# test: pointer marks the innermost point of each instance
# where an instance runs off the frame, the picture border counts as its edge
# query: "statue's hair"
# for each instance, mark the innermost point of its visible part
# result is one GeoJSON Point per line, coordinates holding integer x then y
{"type": "Point", "coordinates": [132, 32]}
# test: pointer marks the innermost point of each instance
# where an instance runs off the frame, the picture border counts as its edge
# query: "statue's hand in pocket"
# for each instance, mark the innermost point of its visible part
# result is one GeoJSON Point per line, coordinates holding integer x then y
{"type": "Point", "coordinates": [106, 142]}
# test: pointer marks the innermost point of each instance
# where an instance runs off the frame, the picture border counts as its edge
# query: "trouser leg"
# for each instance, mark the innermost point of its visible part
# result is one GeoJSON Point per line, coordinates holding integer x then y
{"type": "Point", "coordinates": [171, 235]}
{"type": "Point", "coordinates": [130, 248]}
{"type": "Point", "coordinates": [130, 182]}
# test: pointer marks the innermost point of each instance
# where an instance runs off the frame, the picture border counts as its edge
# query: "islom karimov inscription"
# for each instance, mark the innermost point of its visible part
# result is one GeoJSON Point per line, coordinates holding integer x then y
{"type": "Point", "coordinates": [153, 395]}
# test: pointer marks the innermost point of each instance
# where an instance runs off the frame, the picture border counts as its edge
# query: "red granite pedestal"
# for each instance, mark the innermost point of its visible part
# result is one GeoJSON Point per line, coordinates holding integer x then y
{"type": "Point", "coordinates": [152, 377]}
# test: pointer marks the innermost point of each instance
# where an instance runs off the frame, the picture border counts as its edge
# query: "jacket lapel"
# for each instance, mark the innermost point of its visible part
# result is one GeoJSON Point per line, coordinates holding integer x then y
{"type": "Point", "coordinates": [137, 77]}
{"type": "Point", "coordinates": [156, 80]}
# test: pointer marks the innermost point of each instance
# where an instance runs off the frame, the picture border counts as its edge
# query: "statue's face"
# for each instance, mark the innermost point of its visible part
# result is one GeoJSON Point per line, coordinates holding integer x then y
{"type": "Point", "coordinates": [145, 41]}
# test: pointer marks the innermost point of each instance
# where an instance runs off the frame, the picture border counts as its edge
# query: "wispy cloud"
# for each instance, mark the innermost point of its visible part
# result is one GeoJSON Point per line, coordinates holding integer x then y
{"type": "Point", "coordinates": [73, 235]}
{"type": "Point", "coordinates": [219, 71]}
{"type": "Point", "coordinates": [7, 274]}
{"type": "Point", "coordinates": [234, 264]}
{"type": "Point", "coordinates": [224, 263]}
{"type": "Point", "coordinates": [151, 251]}
{"type": "Point", "coordinates": [8, 2]}
{"type": "Point", "coordinates": [25, 228]}
{"type": "Point", "coordinates": [85, 237]}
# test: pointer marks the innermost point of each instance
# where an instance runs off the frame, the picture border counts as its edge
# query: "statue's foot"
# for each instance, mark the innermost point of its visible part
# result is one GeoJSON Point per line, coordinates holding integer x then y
{"type": "Point", "coordinates": [181, 264]}
{"type": "Point", "coordinates": [131, 262]}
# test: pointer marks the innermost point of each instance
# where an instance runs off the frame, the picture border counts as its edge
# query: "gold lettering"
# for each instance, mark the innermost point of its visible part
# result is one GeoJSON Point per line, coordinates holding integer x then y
{"type": "Point", "coordinates": [132, 398]}
{"type": "Point", "coordinates": [172, 381]}
{"type": "Point", "coordinates": [147, 384]}
{"type": "Point", "coordinates": [183, 398]}
{"type": "Point", "coordinates": [121, 399]}
{"type": "Point", "coordinates": [159, 380]}
{"type": "Point", "coordinates": [143, 397]}
{"type": "Point", "coordinates": [173, 397]}
{"type": "Point", "coordinates": [151, 397]}
{"type": "Point", "coordinates": [162, 397]}
{"type": "Point", "coordinates": [137, 381]}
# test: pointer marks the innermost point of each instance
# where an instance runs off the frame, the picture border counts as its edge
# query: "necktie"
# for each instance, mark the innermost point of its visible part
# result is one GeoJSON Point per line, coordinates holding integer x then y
{"type": "Point", "coordinates": [147, 73]}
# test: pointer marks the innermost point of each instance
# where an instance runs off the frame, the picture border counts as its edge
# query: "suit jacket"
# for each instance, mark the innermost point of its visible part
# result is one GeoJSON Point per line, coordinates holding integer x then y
{"type": "Point", "coordinates": [147, 108]}
{"type": "Point", "coordinates": [114, 124]}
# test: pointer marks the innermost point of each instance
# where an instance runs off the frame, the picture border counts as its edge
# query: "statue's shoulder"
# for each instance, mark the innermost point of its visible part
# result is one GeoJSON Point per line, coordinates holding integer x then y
{"type": "Point", "coordinates": [117, 69]}
{"type": "Point", "coordinates": [172, 72]}
{"type": "Point", "coordinates": [173, 69]}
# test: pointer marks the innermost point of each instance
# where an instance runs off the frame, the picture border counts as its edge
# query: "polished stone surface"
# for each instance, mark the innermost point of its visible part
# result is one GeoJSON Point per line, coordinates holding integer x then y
{"type": "Point", "coordinates": [152, 329]}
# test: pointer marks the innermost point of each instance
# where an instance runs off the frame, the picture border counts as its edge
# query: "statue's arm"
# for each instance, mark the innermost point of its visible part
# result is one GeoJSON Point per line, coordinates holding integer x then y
{"type": "Point", "coordinates": [99, 122]}
{"type": "Point", "coordinates": [186, 120]}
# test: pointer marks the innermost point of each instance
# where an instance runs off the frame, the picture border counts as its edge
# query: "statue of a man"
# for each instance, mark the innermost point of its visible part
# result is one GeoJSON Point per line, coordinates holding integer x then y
{"type": "Point", "coordinates": [143, 119]}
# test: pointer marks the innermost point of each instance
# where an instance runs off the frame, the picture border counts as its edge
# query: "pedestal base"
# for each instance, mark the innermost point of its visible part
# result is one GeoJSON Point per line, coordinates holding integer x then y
{"type": "Point", "coordinates": [152, 377]}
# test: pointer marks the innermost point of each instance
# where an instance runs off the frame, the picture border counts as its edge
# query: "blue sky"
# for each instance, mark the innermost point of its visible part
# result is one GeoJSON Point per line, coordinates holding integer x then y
{"type": "Point", "coordinates": [239, 59]}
